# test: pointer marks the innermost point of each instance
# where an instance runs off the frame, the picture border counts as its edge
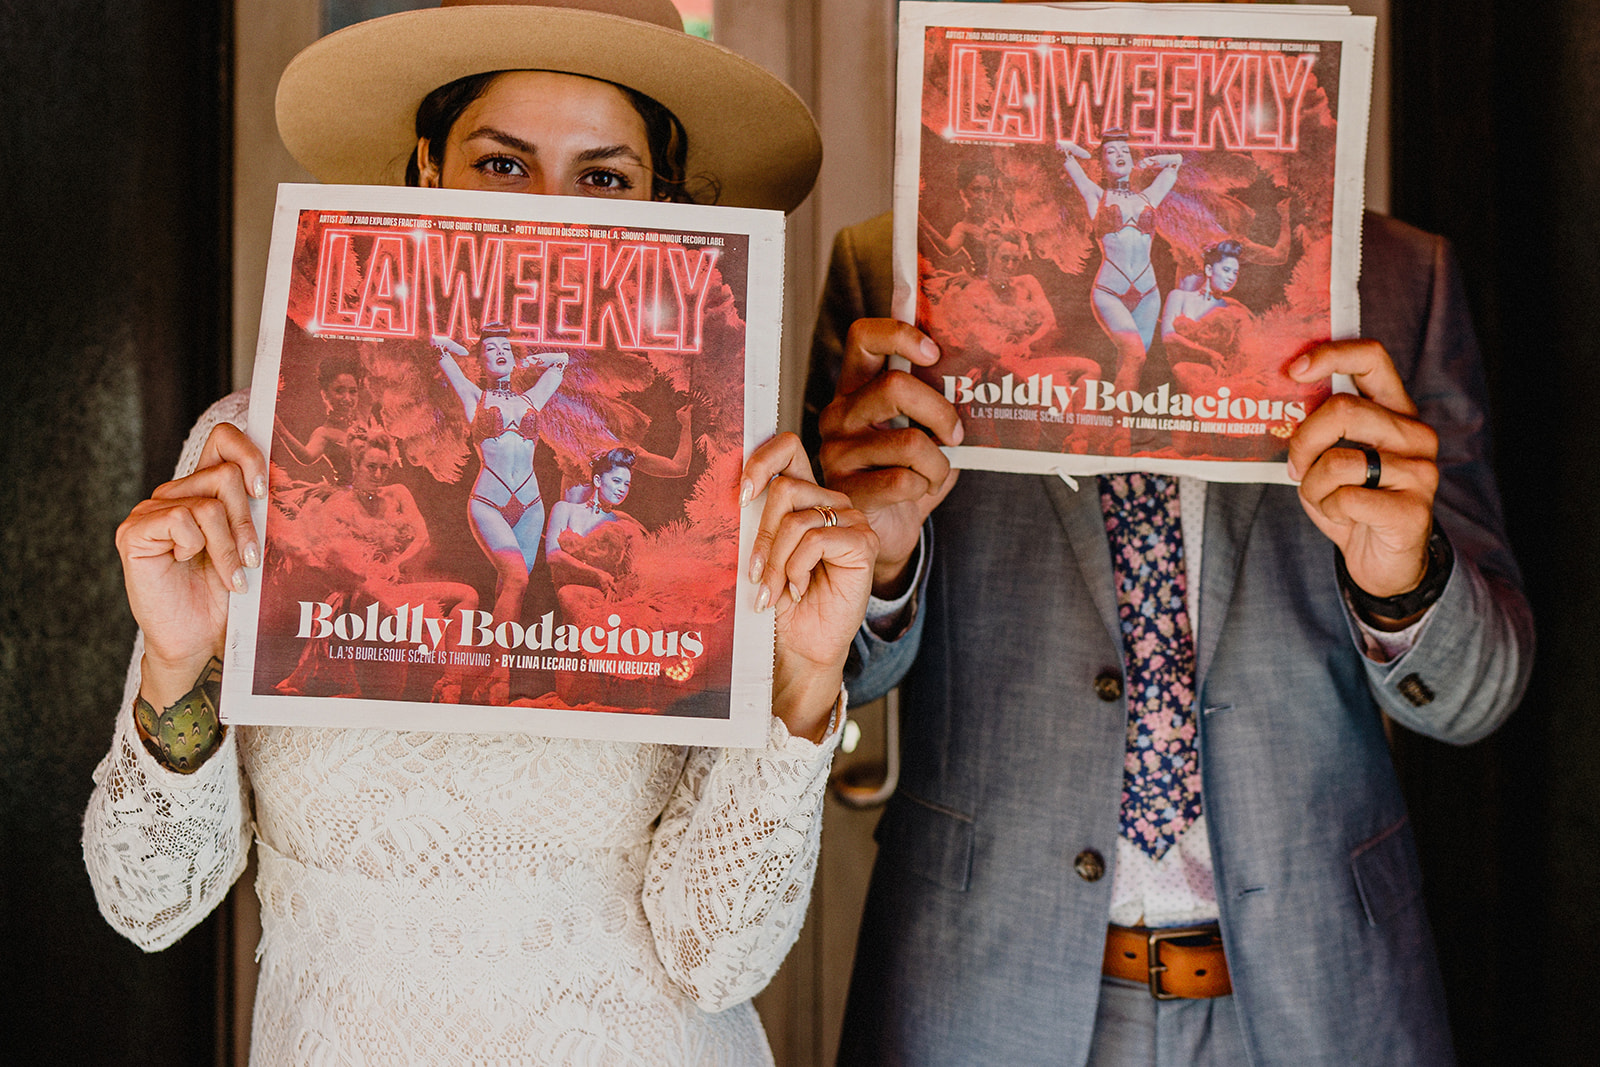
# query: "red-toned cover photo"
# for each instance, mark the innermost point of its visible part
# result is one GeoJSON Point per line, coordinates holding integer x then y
{"type": "Point", "coordinates": [1123, 237]}
{"type": "Point", "coordinates": [504, 468]}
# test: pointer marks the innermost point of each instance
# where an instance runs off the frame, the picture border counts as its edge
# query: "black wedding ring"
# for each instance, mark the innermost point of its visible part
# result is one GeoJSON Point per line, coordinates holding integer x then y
{"type": "Point", "coordinates": [1374, 467]}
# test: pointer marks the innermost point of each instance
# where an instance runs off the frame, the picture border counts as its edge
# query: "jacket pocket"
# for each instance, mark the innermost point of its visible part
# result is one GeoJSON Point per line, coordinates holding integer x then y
{"type": "Point", "coordinates": [1387, 874]}
{"type": "Point", "coordinates": [934, 842]}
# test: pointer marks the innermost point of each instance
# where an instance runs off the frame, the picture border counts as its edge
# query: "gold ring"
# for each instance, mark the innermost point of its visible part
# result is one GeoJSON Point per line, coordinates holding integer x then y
{"type": "Point", "coordinates": [829, 516]}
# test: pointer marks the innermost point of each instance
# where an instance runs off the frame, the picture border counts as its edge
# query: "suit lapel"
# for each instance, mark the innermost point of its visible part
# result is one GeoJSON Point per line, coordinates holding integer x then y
{"type": "Point", "coordinates": [1230, 510]}
{"type": "Point", "coordinates": [1080, 515]}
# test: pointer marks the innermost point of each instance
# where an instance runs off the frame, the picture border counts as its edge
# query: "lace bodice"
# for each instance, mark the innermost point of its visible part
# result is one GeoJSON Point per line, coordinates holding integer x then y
{"type": "Point", "coordinates": [458, 898]}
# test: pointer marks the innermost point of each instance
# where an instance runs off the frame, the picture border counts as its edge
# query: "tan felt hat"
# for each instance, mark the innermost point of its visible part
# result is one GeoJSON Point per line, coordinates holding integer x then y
{"type": "Point", "coordinates": [347, 104]}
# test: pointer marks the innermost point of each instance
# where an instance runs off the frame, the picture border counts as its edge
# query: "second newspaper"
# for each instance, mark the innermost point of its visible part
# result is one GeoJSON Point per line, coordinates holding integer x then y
{"type": "Point", "coordinates": [1121, 223]}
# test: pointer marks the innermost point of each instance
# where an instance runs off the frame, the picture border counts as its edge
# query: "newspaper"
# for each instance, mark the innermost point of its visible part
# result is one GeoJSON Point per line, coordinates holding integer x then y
{"type": "Point", "coordinates": [506, 435]}
{"type": "Point", "coordinates": [1122, 222]}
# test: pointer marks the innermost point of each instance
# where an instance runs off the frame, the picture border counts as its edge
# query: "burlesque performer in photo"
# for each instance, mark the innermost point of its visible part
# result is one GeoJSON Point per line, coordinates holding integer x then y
{"type": "Point", "coordinates": [506, 511]}
{"type": "Point", "coordinates": [983, 215]}
{"type": "Point", "coordinates": [473, 898]}
{"type": "Point", "coordinates": [998, 315]}
{"type": "Point", "coordinates": [604, 563]}
{"type": "Point", "coordinates": [1191, 253]}
{"type": "Point", "coordinates": [1201, 327]}
{"type": "Point", "coordinates": [583, 562]}
{"type": "Point", "coordinates": [1123, 219]}
{"type": "Point", "coordinates": [324, 451]}
{"type": "Point", "coordinates": [361, 540]}
{"type": "Point", "coordinates": [644, 462]}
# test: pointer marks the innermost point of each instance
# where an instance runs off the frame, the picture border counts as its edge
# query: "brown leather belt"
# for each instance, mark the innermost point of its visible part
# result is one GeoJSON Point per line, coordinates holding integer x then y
{"type": "Point", "coordinates": [1174, 961]}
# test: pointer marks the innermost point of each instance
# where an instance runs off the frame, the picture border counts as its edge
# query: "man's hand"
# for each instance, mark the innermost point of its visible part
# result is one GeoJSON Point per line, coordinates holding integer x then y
{"type": "Point", "coordinates": [895, 476]}
{"type": "Point", "coordinates": [1382, 532]}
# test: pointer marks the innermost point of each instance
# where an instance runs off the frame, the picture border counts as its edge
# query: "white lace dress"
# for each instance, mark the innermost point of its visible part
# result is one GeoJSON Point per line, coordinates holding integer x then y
{"type": "Point", "coordinates": [474, 899]}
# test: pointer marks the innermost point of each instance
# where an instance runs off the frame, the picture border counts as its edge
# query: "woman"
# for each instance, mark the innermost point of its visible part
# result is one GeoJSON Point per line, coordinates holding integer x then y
{"type": "Point", "coordinates": [571, 565]}
{"type": "Point", "coordinates": [592, 548]}
{"type": "Point", "coordinates": [1000, 315]}
{"type": "Point", "coordinates": [451, 898]}
{"type": "Point", "coordinates": [1200, 327]}
{"type": "Point", "coordinates": [505, 509]}
{"type": "Point", "coordinates": [980, 219]}
{"type": "Point", "coordinates": [340, 381]}
{"type": "Point", "coordinates": [647, 462]}
{"type": "Point", "coordinates": [365, 537]}
{"type": "Point", "coordinates": [1123, 219]}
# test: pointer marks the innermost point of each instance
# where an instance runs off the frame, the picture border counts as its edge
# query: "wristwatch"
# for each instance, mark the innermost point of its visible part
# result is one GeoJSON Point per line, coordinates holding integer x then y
{"type": "Point", "coordinates": [1441, 560]}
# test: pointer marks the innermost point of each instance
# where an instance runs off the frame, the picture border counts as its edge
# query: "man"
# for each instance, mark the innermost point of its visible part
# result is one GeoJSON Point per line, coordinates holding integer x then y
{"type": "Point", "coordinates": [1009, 915]}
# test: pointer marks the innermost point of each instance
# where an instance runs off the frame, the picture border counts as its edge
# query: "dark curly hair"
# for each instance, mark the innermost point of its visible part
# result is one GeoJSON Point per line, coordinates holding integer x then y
{"type": "Point", "coordinates": [337, 365]}
{"type": "Point", "coordinates": [609, 460]}
{"type": "Point", "coordinates": [1222, 250]}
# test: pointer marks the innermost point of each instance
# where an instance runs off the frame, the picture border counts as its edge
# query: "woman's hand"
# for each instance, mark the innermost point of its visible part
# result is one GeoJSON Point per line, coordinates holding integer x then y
{"type": "Point", "coordinates": [1073, 148]}
{"type": "Point", "coordinates": [183, 551]}
{"type": "Point", "coordinates": [550, 360]}
{"type": "Point", "coordinates": [812, 564]}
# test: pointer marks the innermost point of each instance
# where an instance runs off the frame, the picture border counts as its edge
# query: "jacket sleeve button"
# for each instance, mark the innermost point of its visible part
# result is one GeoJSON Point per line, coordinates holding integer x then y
{"type": "Point", "coordinates": [1414, 689]}
{"type": "Point", "coordinates": [1089, 864]}
{"type": "Point", "coordinates": [1108, 685]}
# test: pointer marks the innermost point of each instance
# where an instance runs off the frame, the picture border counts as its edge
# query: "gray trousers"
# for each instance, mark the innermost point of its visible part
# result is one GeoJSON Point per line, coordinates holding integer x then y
{"type": "Point", "coordinates": [1134, 1029]}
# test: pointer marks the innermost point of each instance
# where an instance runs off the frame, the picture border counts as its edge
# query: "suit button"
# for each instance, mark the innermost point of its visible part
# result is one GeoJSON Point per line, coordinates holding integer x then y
{"type": "Point", "coordinates": [1414, 689]}
{"type": "Point", "coordinates": [1089, 864]}
{"type": "Point", "coordinates": [1108, 685]}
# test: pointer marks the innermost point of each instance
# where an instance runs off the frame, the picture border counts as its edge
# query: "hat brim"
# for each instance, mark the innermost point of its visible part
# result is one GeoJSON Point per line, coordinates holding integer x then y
{"type": "Point", "coordinates": [347, 104]}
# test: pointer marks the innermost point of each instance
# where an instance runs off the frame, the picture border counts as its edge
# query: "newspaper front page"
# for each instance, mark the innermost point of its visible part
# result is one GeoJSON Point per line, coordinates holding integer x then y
{"type": "Point", "coordinates": [1121, 223]}
{"type": "Point", "coordinates": [506, 434]}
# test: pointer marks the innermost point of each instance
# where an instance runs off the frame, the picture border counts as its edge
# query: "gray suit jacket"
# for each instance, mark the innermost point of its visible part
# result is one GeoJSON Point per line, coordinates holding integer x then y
{"type": "Point", "coordinates": [980, 944]}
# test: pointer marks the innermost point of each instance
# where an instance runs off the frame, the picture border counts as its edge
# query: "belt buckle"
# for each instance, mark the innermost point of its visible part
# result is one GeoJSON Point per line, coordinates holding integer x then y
{"type": "Point", "coordinates": [1153, 939]}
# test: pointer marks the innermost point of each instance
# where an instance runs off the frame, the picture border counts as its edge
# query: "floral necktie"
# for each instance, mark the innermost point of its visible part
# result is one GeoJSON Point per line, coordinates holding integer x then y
{"type": "Point", "coordinates": [1161, 769]}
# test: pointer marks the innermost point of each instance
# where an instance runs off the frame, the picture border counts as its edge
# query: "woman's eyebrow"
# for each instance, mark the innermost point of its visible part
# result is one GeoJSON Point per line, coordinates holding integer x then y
{"type": "Point", "coordinates": [502, 137]}
{"type": "Point", "coordinates": [588, 155]}
{"type": "Point", "coordinates": [604, 152]}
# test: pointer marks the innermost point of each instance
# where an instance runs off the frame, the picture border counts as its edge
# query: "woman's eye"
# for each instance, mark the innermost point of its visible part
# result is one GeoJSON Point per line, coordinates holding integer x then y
{"type": "Point", "coordinates": [609, 181]}
{"type": "Point", "coordinates": [500, 166]}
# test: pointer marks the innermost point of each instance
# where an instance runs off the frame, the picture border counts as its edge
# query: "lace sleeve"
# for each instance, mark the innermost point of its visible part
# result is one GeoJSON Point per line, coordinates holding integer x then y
{"type": "Point", "coordinates": [163, 848]}
{"type": "Point", "coordinates": [730, 871]}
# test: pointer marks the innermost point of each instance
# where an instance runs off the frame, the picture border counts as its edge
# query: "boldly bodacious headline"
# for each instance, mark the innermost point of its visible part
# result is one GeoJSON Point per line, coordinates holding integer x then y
{"type": "Point", "coordinates": [409, 624]}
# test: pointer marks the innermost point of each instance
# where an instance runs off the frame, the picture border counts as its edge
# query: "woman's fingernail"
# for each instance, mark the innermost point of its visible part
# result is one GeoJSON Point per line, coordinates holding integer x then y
{"type": "Point", "coordinates": [239, 584]}
{"type": "Point", "coordinates": [794, 593]}
{"type": "Point", "coordinates": [930, 349]}
{"type": "Point", "coordinates": [259, 488]}
{"type": "Point", "coordinates": [252, 555]}
{"type": "Point", "coordinates": [1300, 366]}
{"type": "Point", "coordinates": [961, 432]}
{"type": "Point", "coordinates": [1294, 472]}
{"type": "Point", "coordinates": [763, 598]}
{"type": "Point", "coordinates": [758, 567]}
{"type": "Point", "coordinates": [747, 492]}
